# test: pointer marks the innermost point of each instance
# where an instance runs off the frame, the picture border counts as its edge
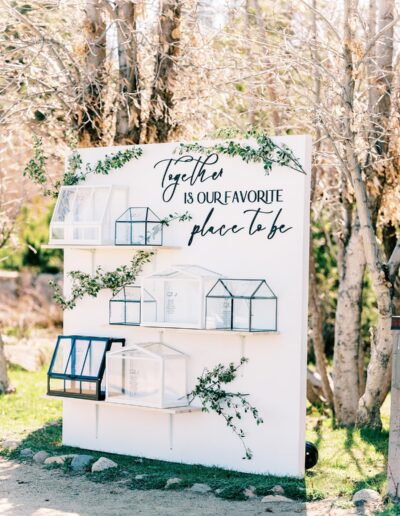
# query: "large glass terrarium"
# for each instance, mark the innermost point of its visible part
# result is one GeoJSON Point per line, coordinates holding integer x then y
{"type": "Point", "coordinates": [138, 226]}
{"type": "Point", "coordinates": [150, 375]}
{"type": "Point", "coordinates": [179, 293]}
{"type": "Point", "coordinates": [125, 306]}
{"type": "Point", "coordinates": [241, 305]}
{"type": "Point", "coordinates": [77, 366]}
{"type": "Point", "coordinates": [86, 214]}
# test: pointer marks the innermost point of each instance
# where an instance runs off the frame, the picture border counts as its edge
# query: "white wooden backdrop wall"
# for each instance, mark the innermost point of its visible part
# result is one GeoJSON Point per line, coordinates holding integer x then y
{"type": "Point", "coordinates": [275, 376]}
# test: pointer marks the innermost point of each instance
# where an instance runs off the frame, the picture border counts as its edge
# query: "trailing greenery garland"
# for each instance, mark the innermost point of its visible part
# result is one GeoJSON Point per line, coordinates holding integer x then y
{"type": "Point", "coordinates": [86, 284]}
{"type": "Point", "coordinates": [267, 152]}
{"type": "Point", "coordinates": [213, 397]}
{"type": "Point", "coordinates": [36, 167]}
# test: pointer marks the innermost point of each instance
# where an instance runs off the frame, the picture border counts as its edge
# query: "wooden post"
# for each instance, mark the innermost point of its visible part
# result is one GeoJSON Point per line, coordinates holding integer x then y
{"type": "Point", "coordinates": [394, 432]}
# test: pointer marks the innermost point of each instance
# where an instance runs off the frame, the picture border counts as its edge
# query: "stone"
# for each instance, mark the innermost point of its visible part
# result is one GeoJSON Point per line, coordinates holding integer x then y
{"type": "Point", "coordinates": [367, 495]}
{"type": "Point", "coordinates": [59, 459]}
{"type": "Point", "coordinates": [218, 491]}
{"type": "Point", "coordinates": [9, 444]}
{"type": "Point", "coordinates": [276, 498]}
{"type": "Point", "coordinates": [278, 490]}
{"type": "Point", "coordinates": [26, 453]}
{"type": "Point", "coordinates": [139, 477]}
{"type": "Point", "coordinates": [172, 482]}
{"type": "Point", "coordinates": [40, 456]}
{"type": "Point", "coordinates": [200, 488]}
{"type": "Point", "coordinates": [81, 462]}
{"type": "Point", "coordinates": [102, 464]}
{"type": "Point", "coordinates": [250, 492]}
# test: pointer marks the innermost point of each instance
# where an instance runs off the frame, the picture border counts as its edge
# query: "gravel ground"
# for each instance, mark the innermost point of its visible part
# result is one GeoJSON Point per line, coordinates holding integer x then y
{"type": "Point", "coordinates": [30, 490]}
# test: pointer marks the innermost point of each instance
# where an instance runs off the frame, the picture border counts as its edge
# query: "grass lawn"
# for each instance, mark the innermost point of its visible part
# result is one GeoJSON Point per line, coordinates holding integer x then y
{"type": "Point", "coordinates": [348, 459]}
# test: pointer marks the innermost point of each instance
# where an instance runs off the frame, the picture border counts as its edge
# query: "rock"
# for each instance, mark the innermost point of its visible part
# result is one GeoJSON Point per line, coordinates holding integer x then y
{"type": "Point", "coordinates": [102, 464]}
{"type": "Point", "coordinates": [59, 459]}
{"type": "Point", "coordinates": [200, 488]}
{"type": "Point", "coordinates": [9, 444]}
{"type": "Point", "coordinates": [276, 498]}
{"type": "Point", "coordinates": [81, 462]}
{"type": "Point", "coordinates": [218, 491]}
{"type": "Point", "coordinates": [278, 490]}
{"type": "Point", "coordinates": [40, 456]}
{"type": "Point", "coordinates": [250, 492]}
{"type": "Point", "coordinates": [367, 495]}
{"type": "Point", "coordinates": [172, 482]}
{"type": "Point", "coordinates": [26, 453]}
{"type": "Point", "coordinates": [139, 477]}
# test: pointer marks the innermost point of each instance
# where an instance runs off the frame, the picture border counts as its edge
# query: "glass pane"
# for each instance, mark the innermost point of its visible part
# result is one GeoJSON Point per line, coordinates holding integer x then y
{"type": "Point", "coordinates": [57, 233]}
{"type": "Point", "coordinates": [241, 288]}
{"type": "Point", "coordinates": [174, 382]}
{"type": "Point", "coordinates": [117, 312]}
{"type": "Point", "coordinates": [64, 205]}
{"type": "Point", "coordinates": [56, 385]}
{"type": "Point", "coordinates": [125, 216]}
{"type": "Point", "coordinates": [263, 314]}
{"type": "Point", "coordinates": [86, 233]}
{"type": "Point", "coordinates": [63, 351]}
{"type": "Point", "coordinates": [132, 312]}
{"type": "Point", "coordinates": [219, 289]}
{"type": "Point", "coordinates": [154, 233]}
{"type": "Point", "coordinates": [152, 217]}
{"type": "Point", "coordinates": [78, 356]}
{"type": "Point", "coordinates": [88, 388]}
{"type": "Point", "coordinates": [264, 291]}
{"type": "Point", "coordinates": [132, 293]}
{"type": "Point", "coordinates": [218, 313]}
{"type": "Point", "coordinates": [138, 233]}
{"type": "Point", "coordinates": [83, 205]}
{"type": "Point", "coordinates": [181, 301]}
{"type": "Point", "coordinates": [241, 314]}
{"type": "Point", "coordinates": [94, 358]}
{"type": "Point", "coordinates": [99, 203]}
{"type": "Point", "coordinates": [135, 381]}
{"type": "Point", "coordinates": [138, 214]}
{"type": "Point", "coordinates": [122, 233]}
{"type": "Point", "coordinates": [73, 386]}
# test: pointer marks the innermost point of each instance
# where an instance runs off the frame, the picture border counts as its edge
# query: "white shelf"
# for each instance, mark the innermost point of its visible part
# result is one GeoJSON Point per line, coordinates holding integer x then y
{"type": "Point", "coordinates": [202, 330]}
{"type": "Point", "coordinates": [174, 410]}
{"type": "Point", "coordinates": [91, 247]}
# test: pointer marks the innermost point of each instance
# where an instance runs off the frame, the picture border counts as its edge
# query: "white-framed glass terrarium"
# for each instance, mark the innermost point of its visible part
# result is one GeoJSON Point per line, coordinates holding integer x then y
{"type": "Point", "coordinates": [241, 305]}
{"type": "Point", "coordinates": [138, 226]}
{"type": "Point", "coordinates": [149, 374]}
{"type": "Point", "coordinates": [86, 214]}
{"type": "Point", "coordinates": [179, 292]}
{"type": "Point", "coordinates": [125, 306]}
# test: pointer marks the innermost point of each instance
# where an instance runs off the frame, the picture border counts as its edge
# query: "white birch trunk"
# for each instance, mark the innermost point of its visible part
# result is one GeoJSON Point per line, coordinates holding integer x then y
{"type": "Point", "coordinates": [4, 381]}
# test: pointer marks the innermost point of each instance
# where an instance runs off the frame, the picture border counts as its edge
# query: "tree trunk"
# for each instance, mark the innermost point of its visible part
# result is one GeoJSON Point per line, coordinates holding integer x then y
{"type": "Point", "coordinates": [90, 118]}
{"type": "Point", "coordinates": [128, 118]}
{"type": "Point", "coordinates": [160, 125]}
{"type": "Point", "coordinates": [347, 330]}
{"type": "Point", "coordinates": [4, 381]}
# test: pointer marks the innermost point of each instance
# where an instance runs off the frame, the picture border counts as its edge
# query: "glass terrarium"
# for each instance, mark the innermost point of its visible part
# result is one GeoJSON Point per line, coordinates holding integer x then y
{"type": "Point", "coordinates": [86, 214]}
{"type": "Point", "coordinates": [138, 226]}
{"type": "Point", "coordinates": [179, 293]}
{"type": "Point", "coordinates": [149, 374]}
{"type": "Point", "coordinates": [77, 366]}
{"type": "Point", "coordinates": [125, 306]}
{"type": "Point", "coordinates": [241, 305]}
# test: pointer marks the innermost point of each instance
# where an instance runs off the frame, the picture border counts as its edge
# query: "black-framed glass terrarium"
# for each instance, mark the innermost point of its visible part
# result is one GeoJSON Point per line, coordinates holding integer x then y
{"type": "Point", "coordinates": [241, 305]}
{"type": "Point", "coordinates": [77, 366]}
{"type": "Point", "coordinates": [125, 306]}
{"type": "Point", "coordinates": [138, 226]}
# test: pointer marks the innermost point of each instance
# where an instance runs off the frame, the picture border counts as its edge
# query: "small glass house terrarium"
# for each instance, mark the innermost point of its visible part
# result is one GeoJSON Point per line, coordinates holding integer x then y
{"type": "Point", "coordinates": [179, 293]}
{"type": "Point", "coordinates": [138, 226]}
{"type": "Point", "coordinates": [86, 214]}
{"type": "Point", "coordinates": [241, 305]}
{"type": "Point", "coordinates": [125, 306]}
{"type": "Point", "coordinates": [149, 375]}
{"type": "Point", "coordinates": [77, 366]}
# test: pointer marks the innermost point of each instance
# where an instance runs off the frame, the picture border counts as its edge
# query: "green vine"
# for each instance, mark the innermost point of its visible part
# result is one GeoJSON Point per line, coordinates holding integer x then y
{"type": "Point", "coordinates": [36, 167]}
{"type": "Point", "coordinates": [86, 284]}
{"type": "Point", "coordinates": [267, 151]}
{"type": "Point", "coordinates": [213, 397]}
{"type": "Point", "coordinates": [166, 221]}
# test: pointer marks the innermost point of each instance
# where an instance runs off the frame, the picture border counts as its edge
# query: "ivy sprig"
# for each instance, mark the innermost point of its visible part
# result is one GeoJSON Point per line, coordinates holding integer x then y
{"type": "Point", "coordinates": [36, 167]}
{"type": "Point", "coordinates": [85, 284]}
{"type": "Point", "coordinates": [172, 217]}
{"type": "Point", "coordinates": [210, 391]}
{"type": "Point", "coordinates": [266, 152]}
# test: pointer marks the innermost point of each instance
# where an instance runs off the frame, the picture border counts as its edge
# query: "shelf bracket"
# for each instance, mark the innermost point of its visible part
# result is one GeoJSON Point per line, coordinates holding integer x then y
{"type": "Point", "coordinates": [242, 351]}
{"type": "Point", "coordinates": [97, 408]}
{"type": "Point", "coordinates": [171, 431]}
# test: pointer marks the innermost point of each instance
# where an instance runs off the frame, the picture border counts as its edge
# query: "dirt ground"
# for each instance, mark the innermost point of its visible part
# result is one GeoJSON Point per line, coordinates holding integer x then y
{"type": "Point", "coordinates": [31, 490]}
